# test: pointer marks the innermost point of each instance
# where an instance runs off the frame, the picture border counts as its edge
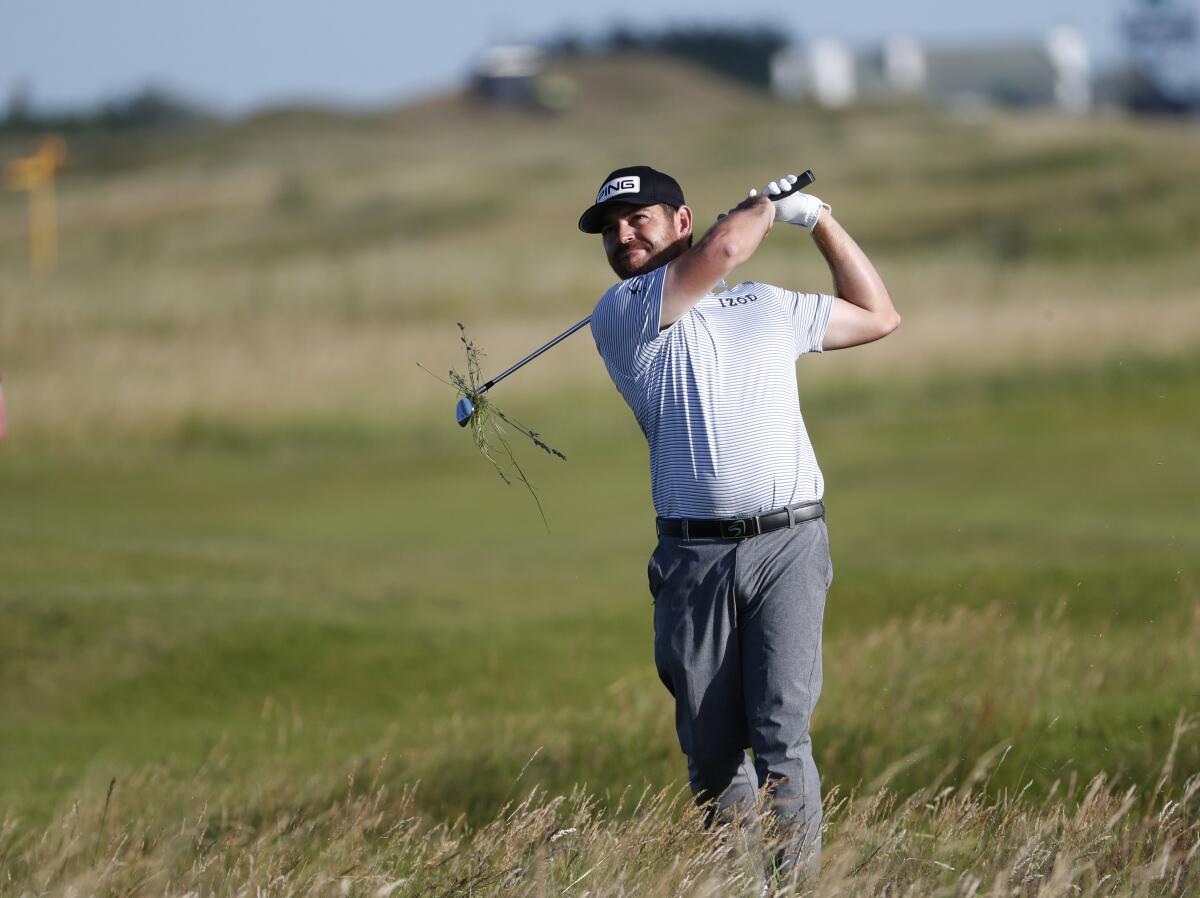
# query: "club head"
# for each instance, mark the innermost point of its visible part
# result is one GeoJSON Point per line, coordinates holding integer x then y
{"type": "Point", "coordinates": [464, 410]}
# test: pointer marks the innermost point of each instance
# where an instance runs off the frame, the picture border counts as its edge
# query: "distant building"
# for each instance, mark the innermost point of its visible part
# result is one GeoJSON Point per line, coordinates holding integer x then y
{"type": "Point", "coordinates": [904, 65]}
{"type": "Point", "coordinates": [824, 71]}
{"type": "Point", "coordinates": [1001, 75]}
{"type": "Point", "coordinates": [514, 76]}
{"type": "Point", "coordinates": [1068, 52]}
{"type": "Point", "coordinates": [506, 75]}
{"type": "Point", "coordinates": [789, 76]}
{"type": "Point", "coordinates": [1054, 73]}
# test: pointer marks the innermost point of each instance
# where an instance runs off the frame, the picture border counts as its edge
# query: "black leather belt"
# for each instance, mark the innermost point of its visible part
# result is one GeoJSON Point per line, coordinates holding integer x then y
{"type": "Point", "coordinates": [740, 528]}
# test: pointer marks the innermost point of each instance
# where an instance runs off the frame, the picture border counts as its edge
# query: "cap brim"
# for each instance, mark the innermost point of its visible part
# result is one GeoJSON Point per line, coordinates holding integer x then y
{"type": "Point", "coordinates": [592, 221]}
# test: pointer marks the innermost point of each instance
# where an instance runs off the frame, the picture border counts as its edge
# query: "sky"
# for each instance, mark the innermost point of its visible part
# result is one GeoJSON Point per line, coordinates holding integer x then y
{"type": "Point", "coordinates": [237, 55]}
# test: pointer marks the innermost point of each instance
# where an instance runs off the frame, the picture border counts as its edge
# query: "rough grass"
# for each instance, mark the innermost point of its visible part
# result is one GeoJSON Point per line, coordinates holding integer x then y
{"type": "Point", "coordinates": [156, 833]}
{"type": "Point", "coordinates": [383, 584]}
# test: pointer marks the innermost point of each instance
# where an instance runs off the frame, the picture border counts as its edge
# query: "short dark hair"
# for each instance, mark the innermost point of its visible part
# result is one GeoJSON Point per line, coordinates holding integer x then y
{"type": "Point", "coordinates": [691, 236]}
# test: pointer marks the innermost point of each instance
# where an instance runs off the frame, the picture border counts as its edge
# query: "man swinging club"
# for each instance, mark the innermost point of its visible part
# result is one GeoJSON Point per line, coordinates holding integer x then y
{"type": "Point", "coordinates": [742, 564]}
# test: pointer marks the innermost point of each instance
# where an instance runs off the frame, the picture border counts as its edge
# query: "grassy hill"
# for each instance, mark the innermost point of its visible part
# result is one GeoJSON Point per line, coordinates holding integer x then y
{"type": "Point", "coordinates": [245, 554]}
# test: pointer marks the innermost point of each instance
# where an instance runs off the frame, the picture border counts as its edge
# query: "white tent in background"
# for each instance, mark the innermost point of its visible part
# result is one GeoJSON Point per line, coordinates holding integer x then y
{"type": "Point", "coordinates": [789, 74]}
{"type": "Point", "coordinates": [824, 71]}
{"type": "Point", "coordinates": [1068, 54]}
{"type": "Point", "coordinates": [904, 66]}
{"type": "Point", "coordinates": [1055, 71]}
{"type": "Point", "coordinates": [833, 81]}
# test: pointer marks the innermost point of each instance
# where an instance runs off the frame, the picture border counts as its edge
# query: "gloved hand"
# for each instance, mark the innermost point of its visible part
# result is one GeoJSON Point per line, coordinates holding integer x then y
{"type": "Point", "coordinates": [800, 209]}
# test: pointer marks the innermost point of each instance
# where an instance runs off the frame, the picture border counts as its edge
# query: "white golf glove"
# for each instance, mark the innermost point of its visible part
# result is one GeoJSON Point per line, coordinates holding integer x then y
{"type": "Point", "coordinates": [800, 209]}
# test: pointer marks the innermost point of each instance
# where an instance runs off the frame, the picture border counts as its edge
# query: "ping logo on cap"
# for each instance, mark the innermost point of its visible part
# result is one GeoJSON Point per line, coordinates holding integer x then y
{"type": "Point", "coordinates": [623, 184]}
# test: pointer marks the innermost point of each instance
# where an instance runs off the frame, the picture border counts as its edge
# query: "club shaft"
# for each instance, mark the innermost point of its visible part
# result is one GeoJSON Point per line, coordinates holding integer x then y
{"type": "Point", "coordinates": [533, 355]}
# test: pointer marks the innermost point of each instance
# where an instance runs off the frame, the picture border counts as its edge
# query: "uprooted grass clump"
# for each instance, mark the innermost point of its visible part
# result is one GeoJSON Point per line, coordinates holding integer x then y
{"type": "Point", "coordinates": [490, 427]}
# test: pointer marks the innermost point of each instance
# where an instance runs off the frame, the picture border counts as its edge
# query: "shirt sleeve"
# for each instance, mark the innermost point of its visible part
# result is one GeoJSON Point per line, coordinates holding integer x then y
{"type": "Point", "coordinates": [625, 323]}
{"type": "Point", "coordinates": [810, 318]}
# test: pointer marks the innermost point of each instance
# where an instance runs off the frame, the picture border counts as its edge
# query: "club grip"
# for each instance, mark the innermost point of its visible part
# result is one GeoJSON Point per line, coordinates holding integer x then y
{"type": "Point", "coordinates": [801, 182]}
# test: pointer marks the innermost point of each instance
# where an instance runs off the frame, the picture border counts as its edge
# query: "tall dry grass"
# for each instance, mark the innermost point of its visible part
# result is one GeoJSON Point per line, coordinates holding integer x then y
{"type": "Point", "coordinates": [368, 825]}
{"type": "Point", "coordinates": [156, 835]}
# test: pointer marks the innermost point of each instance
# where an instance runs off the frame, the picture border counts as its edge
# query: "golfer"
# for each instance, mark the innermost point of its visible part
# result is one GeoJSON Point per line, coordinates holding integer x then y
{"type": "Point", "coordinates": [742, 564]}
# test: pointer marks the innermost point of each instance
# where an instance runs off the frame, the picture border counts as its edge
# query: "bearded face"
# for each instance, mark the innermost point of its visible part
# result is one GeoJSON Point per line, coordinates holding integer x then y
{"type": "Point", "coordinates": [638, 239]}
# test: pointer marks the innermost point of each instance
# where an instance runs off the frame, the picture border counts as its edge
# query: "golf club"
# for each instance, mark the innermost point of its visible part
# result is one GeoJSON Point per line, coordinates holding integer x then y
{"type": "Point", "coordinates": [466, 407]}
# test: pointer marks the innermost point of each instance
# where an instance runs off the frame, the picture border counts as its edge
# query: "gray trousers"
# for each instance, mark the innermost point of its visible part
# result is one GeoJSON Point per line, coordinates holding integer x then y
{"type": "Point", "coordinates": [737, 641]}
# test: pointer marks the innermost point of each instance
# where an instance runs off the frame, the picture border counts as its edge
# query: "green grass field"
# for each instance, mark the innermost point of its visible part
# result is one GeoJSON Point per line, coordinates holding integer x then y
{"type": "Point", "coordinates": [246, 554]}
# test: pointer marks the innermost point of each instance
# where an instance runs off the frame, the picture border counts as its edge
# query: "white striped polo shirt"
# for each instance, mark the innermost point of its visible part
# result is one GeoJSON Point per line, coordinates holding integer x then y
{"type": "Point", "coordinates": [715, 393]}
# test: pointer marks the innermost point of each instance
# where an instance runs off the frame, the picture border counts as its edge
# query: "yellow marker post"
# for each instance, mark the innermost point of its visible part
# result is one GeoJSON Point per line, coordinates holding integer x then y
{"type": "Point", "coordinates": [36, 174]}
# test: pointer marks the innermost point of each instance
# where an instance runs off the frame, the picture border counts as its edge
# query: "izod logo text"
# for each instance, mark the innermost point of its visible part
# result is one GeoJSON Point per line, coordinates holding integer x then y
{"type": "Point", "coordinates": [732, 302]}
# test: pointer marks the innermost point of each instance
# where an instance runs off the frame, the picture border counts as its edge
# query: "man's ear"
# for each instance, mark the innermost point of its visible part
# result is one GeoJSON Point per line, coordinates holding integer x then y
{"type": "Point", "coordinates": [685, 220]}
